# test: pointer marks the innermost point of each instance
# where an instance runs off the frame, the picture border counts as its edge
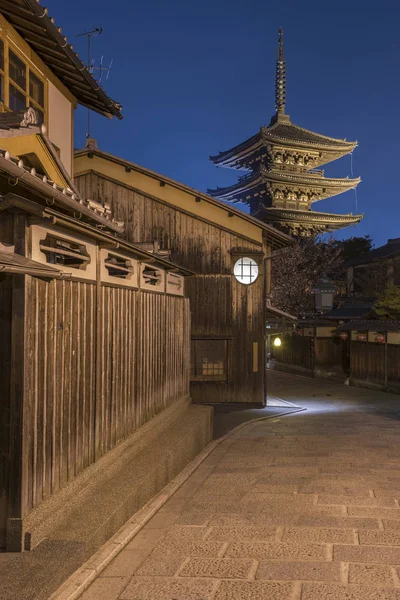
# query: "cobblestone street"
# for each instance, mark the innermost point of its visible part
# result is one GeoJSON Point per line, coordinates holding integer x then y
{"type": "Point", "coordinates": [301, 507]}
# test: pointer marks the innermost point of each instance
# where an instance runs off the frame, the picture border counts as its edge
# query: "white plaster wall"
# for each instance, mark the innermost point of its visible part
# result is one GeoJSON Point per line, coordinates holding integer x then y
{"type": "Point", "coordinates": [60, 125]}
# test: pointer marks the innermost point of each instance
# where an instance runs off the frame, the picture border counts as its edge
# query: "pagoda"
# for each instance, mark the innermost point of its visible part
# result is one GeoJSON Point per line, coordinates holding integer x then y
{"type": "Point", "coordinates": [283, 178]}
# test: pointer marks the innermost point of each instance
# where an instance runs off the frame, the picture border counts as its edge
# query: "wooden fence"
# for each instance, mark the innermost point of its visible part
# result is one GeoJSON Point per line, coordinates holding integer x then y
{"type": "Point", "coordinates": [101, 361]}
{"type": "Point", "coordinates": [376, 364]}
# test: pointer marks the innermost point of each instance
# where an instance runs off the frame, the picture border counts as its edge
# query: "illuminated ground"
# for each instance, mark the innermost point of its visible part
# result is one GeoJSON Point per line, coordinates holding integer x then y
{"type": "Point", "coordinates": [304, 507]}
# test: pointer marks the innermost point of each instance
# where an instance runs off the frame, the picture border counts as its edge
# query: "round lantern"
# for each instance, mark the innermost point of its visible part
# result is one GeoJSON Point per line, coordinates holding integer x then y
{"type": "Point", "coordinates": [344, 336]}
{"type": "Point", "coordinates": [362, 337]}
{"type": "Point", "coordinates": [380, 338]}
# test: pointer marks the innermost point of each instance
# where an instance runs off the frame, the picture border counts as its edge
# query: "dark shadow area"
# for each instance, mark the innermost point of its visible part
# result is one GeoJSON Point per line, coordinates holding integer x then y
{"type": "Point", "coordinates": [229, 416]}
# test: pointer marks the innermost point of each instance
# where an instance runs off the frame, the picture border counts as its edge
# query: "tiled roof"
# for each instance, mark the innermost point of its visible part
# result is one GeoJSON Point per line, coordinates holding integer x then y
{"type": "Point", "coordinates": [390, 249]}
{"type": "Point", "coordinates": [34, 25]}
{"type": "Point", "coordinates": [370, 325]}
{"type": "Point", "coordinates": [350, 310]}
{"type": "Point", "coordinates": [291, 132]}
{"type": "Point", "coordinates": [66, 197]}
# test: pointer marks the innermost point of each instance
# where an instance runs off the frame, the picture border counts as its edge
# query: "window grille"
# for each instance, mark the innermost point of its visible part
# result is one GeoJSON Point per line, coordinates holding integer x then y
{"type": "Point", "coordinates": [118, 266]}
{"type": "Point", "coordinates": [60, 251]}
{"type": "Point", "coordinates": [152, 276]}
{"type": "Point", "coordinates": [246, 270]}
{"type": "Point", "coordinates": [209, 360]}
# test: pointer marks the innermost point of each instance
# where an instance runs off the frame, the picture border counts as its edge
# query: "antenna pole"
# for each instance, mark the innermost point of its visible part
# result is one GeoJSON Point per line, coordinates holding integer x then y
{"type": "Point", "coordinates": [89, 34]}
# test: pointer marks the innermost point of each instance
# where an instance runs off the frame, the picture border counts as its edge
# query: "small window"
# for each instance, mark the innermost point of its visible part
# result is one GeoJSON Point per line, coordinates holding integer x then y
{"type": "Point", "coordinates": [174, 284]}
{"type": "Point", "coordinates": [246, 270]}
{"type": "Point", "coordinates": [17, 70]}
{"type": "Point", "coordinates": [17, 101]}
{"type": "Point", "coordinates": [152, 276]}
{"type": "Point", "coordinates": [209, 360]}
{"type": "Point", "coordinates": [1, 55]}
{"type": "Point", "coordinates": [118, 266]}
{"type": "Point", "coordinates": [59, 251]}
{"type": "Point", "coordinates": [36, 89]}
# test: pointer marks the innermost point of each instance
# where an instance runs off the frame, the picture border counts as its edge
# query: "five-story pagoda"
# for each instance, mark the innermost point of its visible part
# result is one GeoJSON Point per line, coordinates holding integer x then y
{"type": "Point", "coordinates": [283, 180]}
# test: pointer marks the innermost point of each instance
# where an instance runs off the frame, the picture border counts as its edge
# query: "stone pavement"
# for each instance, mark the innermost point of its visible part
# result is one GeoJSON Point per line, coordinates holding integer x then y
{"type": "Point", "coordinates": [302, 507]}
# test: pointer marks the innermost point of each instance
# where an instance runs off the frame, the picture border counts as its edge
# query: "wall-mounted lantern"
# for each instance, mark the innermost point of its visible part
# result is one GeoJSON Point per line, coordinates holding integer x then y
{"type": "Point", "coordinates": [362, 337]}
{"type": "Point", "coordinates": [344, 335]}
{"type": "Point", "coordinates": [277, 342]}
{"type": "Point", "coordinates": [380, 338]}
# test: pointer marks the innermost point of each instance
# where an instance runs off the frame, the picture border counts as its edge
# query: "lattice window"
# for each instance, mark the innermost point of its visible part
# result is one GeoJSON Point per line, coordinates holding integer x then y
{"type": "Point", "coordinates": [246, 270]}
{"type": "Point", "coordinates": [209, 360]}
{"type": "Point", "coordinates": [174, 284]}
{"type": "Point", "coordinates": [117, 266]}
{"type": "Point", "coordinates": [60, 251]}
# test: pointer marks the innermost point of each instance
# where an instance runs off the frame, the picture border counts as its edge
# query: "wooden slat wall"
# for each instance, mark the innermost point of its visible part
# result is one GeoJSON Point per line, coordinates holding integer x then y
{"type": "Point", "coordinates": [196, 245]}
{"type": "Point", "coordinates": [98, 368]}
{"type": "Point", "coordinates": [295, 350]}
{"type": "Point", "coordinates": [220, 306]}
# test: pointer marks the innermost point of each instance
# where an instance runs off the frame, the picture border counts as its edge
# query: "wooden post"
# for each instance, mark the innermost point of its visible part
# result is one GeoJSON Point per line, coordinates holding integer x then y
{"type": "Point", "coordinates": [386, 362]}
{"type": "Point", "coordinates": [18, 479]}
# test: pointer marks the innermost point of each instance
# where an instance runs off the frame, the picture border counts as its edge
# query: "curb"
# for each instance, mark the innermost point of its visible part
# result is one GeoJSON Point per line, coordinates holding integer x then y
{"type": "Point", "coordinates": [81, 579]}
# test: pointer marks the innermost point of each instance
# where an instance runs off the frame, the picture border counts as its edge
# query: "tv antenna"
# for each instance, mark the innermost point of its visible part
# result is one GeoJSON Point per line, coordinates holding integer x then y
{"type": "Point", "coordinates": [91, 63]}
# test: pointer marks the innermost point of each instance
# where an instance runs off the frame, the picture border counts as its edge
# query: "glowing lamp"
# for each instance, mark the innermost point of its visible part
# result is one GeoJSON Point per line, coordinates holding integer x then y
{"type": "Point", "coordinates": [380, 338]}
{"type": "Point", "coordinates": [362, 337]}
{"type": "Point", "coordinates": [277, 341]}
{"type": "Point", "coordinates": [344, 336]}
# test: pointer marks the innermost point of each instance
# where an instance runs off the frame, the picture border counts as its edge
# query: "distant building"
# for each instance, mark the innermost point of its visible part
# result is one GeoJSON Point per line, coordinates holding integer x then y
{"type": "Point", "coordinates": [369, 274]}
{"type": "Point", "coordinates": [282, 181]}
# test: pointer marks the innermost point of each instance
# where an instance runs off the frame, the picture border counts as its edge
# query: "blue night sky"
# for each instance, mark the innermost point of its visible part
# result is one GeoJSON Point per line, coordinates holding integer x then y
{"type": "Point", "coordinates": [198, 77]}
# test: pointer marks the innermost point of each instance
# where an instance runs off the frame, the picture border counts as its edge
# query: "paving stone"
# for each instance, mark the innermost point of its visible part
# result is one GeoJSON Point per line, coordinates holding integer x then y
{"type": "Point", "coordinates": [146, 539]}
{"type": "Point", "coordinates": [342, 522]}
{"type": "Point", "coordinates": [184, 548]}
{"type": "Point", "coordinates": [282, 551]}
{"type": "Point", "coordinates": [186, 533]}
{"type": "Point", "coordinates": [222, 568]}
{"type": "Point", "coordinates": [391, 524]}
{"type": "Point", "coordinates": [280, 499]}
{"type": "Point", "coordinates": [125, 563]}
{"type": "Point", "coordinates": [305, 535]}
{"type": "Point", "coordinates": [233, 534]}
{"type": "Point", "coordinates": [320, 591]}
{"type": "Point", "coordinates": [367, 554]}
{"type": "Point", "coordinates": [194, 518]}
{"type": "Point", "coordinates": [162, 519]}
{"type": "Point", "coordinates": [157, 565]}
{"type": "Point", "coordinates": [143, 588]}
{"type": "Point", "coordinates": [356, 500]}
{"type": "Point", "coordinates": [380, 538]}
{"type": "Point", "coordinates": [312, 571]}
{"type": "Point", "coordinates": [248, 520]}
{"type": "Point", "coordinates": [370, 511]}
{"type": "Point", "coordinates": [263, 488]}
{"type": "Point", "coordinates": [254, 590]}
{"type": "Point", "coordinates": [105, 588]}
{"type": "Point", "coordinates": [365, 574]}
{"type": "Point", "coordinates": [334, 488]}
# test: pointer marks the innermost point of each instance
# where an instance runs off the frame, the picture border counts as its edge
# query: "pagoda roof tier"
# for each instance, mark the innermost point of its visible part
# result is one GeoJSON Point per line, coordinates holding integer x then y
{"type": "Point", "coordinates": [259, 183]}
{"type": "Point", "coordinates": [307, 219]}
{"type": "Point", "coordinates": [284, 133]}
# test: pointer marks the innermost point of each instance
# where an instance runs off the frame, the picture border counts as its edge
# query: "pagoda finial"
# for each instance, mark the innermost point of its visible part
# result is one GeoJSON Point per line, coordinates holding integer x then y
{"type": "Point", "coordinates": [280, 79]}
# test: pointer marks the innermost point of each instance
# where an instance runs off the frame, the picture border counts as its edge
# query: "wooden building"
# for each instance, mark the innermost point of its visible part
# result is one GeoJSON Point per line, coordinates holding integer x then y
{"type": "Point", "coordinates": [282, 177]}
{"type": "Point", "coordinates": [228, 250]}
{"type": "Point", "coordinates": [95, 330]}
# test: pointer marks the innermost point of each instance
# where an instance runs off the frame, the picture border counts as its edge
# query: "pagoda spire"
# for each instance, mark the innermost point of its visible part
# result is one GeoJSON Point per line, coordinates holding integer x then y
{"type": "Point", "coordinates": [280, 78]}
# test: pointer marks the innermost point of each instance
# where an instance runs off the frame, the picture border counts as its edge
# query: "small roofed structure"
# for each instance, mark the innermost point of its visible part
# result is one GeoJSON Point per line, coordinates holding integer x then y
{"type": "Point", "coordinates": [283, 184]}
